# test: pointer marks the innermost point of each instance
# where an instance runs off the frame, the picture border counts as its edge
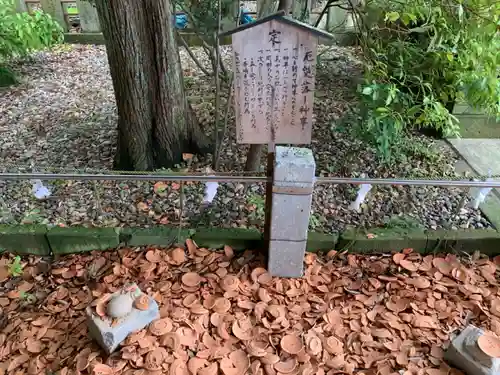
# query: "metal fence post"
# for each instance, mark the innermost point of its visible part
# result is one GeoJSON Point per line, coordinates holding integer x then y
{"type": "Point", "coordinates": [293, 185]}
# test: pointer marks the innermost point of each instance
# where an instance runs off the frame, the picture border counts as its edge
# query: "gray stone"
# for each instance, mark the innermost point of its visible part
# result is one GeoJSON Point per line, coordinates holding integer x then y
{"type": "Point", "coordinates": [290, 217]}
{"type": "Point", "coordinates": [465, 354]}
{"type": "Point", "coordinates": [110, 337]}
{"type": "Point", "coordinates": [286, 258]}
{"type": "Point", "coordinates": [294, 166]}
{"type": "Point", "coordinates": [293, 181]}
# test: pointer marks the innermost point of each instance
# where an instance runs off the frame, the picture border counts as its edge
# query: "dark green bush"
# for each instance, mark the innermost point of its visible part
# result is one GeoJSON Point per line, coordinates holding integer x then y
{"type": "Point", "coordinates": [421, 57]}
{"type": "Point", "coordinates": [22, 33]}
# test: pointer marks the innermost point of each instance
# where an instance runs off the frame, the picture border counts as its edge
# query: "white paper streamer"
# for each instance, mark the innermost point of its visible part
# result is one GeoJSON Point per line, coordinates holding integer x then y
{"type": "Point", "coordinates": [210, 192]}
{"type": "Point", "coordinates": [39, 190]}
{"type": "Point", "coordinates": [481, 195]}
{"type": "Point", "coordinates": [360, 198]}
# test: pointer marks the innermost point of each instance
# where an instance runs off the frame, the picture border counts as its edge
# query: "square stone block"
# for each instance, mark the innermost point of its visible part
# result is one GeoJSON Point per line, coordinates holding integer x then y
{"type": "Point", "coordinates": [109, 335]}
{"type": "Point", "coordinates": [290, 217]}
{"type": "Point", "coordinates": [294, 165]}
{"type": "Point", "coordinates": [465, 354]}
{"type": "Point", "coordinates": [286, 258]}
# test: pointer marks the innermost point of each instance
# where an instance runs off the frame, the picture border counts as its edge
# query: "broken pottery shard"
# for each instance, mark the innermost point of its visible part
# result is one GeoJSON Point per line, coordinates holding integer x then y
{"type": "Point", "coordinates": [465, 354]}
{"type": "Point", "coordinates": [110, 333]}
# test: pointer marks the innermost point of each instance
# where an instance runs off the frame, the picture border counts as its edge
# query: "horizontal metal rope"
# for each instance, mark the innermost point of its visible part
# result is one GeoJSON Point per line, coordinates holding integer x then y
{"type": "Point", "coordinates": [406, 182]}
{"type": "Point", "coordinates": [245, 179]}
{"type": "Point", "coordinates": [130, 177]}
{"type": "Point", "coordinates": [17, 168]}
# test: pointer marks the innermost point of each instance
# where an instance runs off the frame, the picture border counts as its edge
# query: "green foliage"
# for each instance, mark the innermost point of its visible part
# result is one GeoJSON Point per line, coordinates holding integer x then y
{"type": "Point", "coordinates": [420, 57]}
{"type": "Point", "coordinates": [22, 33]}
{"type": "Point", "coordinates": [16, 268]}
{"type": "Point", "coordinates": [403, 222]}
{"type": "Point", "coordinates": [258, 204]}
{"type": "Point", "coordinates": [314, 222]}
{"type": "Point", "coordinates": [203, 15]}
{"type": "Point", "coordinates": [34, 217]}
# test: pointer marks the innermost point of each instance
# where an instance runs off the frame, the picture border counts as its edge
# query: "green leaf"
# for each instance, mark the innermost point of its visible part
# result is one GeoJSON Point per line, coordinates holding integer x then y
{"type": "Point", "coordinates": [367, 90]}
{"type": "Point", "coordinates": [392, 16]}
{"type": "Point", "coordinates": [406, 18]}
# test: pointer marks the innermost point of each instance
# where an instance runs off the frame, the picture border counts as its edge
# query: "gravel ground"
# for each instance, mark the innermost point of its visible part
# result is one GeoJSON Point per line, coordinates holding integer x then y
{"type": "Point", "coordinates": [63, 116]}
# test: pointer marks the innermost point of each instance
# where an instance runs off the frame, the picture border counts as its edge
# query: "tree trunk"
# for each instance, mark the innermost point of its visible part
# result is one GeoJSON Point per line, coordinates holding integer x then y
{"type": "Point", "coordinates": [301, 10]}
{"type": "Point", "coordinates": [264, 8]}
{"type": "Point", "coordinates": [285, 5]}
{"type": "Point", "coordinates": [253, 158]}
{"type": "Point", "coordinates": [156, 124]}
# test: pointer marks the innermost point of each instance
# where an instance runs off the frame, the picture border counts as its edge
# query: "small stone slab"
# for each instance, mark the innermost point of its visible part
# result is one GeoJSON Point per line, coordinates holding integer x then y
{"type": "Point", "coordinates": [465, 354]}
{"type": "Point", "coordinates": [110, 337]}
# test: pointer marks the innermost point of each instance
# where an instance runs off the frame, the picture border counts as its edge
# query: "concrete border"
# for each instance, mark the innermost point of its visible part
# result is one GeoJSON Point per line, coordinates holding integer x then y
{"type": "Point", "coordinates": [79, 239]}
{"type": "Point", "coordinates": [43, 241]}
{"type": "Point", "coordinates": [25, 239]}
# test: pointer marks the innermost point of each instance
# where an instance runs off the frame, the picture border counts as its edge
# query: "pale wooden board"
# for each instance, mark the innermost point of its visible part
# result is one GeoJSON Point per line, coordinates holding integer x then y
{"type": "Point", "coordinates": [259, 68]}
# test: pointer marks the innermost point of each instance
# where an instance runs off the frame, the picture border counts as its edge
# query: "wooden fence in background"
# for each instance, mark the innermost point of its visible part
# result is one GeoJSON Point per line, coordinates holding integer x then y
{"type": "Point", "coordinates": [81, 23]}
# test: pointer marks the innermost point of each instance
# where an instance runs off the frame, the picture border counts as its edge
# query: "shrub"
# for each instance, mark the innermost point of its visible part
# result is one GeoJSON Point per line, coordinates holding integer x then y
{"type": "Point", "coordinates": [422, 56]}
{"type": "Point", "coordinates": [21, 33]}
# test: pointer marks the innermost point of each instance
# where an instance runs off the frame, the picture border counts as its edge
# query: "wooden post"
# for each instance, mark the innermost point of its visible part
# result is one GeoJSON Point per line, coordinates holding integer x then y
{"type": "Point", "coordinates": [269, 198]}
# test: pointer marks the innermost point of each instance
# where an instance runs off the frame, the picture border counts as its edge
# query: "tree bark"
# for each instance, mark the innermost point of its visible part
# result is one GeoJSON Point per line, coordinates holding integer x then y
{"type": "Point", "coordinates": [253, 158]}
{"type": "Point", "coordinates": [285, 5]}
{"type": "Point", "coordinates": [156, 124]}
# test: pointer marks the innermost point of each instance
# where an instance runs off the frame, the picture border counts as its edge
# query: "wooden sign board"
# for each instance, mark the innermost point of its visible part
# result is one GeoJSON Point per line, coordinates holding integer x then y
{"type": "Point", "coordinates": [274, 65]}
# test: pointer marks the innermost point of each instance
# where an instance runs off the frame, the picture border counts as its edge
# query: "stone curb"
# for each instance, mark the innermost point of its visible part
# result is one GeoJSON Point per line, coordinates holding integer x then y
{"type": "Point", "coordinates": [40, 240]}
{"type": "Point", "coordinates": [237, 238]}
{"type": "Point", "coordinates": [79, 239]}
{"type": "Point", "coordinates": [382, 240]}
{"type": "Point", "coordinates": [163, 236]}
{"type": "Point", "coordinates": [24, 239]}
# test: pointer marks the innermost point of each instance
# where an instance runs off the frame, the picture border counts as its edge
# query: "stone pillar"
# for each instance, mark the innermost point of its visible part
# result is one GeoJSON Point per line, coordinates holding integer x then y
{"type": "Point", "coordinates": [293, 183]}
{"type": "Point", "coordinates": [21, 6]}
{"type": "Point", "coordinates": [89, 20]}
{"type": "Point", "coordinates": [54, 8]}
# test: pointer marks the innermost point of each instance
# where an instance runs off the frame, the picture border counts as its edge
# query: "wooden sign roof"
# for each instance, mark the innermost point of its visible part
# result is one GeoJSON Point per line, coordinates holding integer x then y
{"type": "Point", "coordinates": [274, 65]}
{"type": "Point", "coordinates": [280, 16]}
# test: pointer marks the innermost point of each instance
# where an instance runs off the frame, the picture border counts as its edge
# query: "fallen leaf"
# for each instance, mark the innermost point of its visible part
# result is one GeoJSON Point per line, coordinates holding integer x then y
{"type": "Point", "coordinates": [160, 188]}
{"type": "Point", "coordinates": [291, 344]}
{"type": "Point", "coordinates": [408, 265]}
{"type": "Point", "coordinates": [398, 257]}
